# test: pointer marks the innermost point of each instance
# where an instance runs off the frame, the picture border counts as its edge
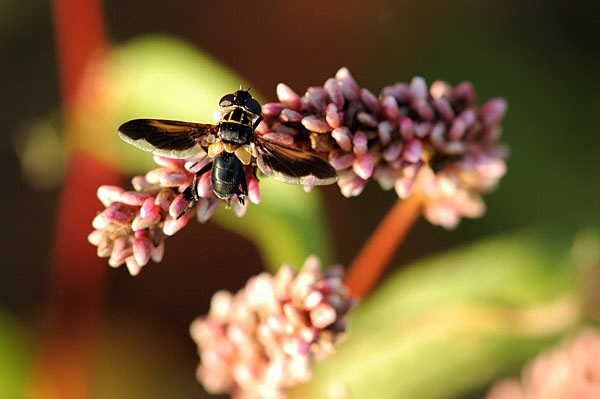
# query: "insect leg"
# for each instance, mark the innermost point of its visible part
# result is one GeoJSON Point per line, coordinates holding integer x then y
{"type": "Point", "coordinates": [241, 194]}
{"type": "Point", "coordinates": [191, 192]}
{"type": "Point", "coordinates": [257, 122]}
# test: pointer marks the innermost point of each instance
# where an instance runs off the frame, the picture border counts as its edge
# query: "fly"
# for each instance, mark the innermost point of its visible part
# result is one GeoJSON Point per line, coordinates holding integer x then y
{"type": "Point", "coordinates": [230, 145]}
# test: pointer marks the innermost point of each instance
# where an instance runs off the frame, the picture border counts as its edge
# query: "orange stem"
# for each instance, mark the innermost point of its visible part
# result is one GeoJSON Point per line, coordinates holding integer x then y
{"type": "Point", "coordinates": [375, 255]}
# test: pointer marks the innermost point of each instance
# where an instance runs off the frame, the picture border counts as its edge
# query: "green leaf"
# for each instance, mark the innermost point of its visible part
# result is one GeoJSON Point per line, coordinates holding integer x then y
{"type": "Point", "coordinates": [287, 225]}
{"type": "Point", "coordinates": [450, 324]}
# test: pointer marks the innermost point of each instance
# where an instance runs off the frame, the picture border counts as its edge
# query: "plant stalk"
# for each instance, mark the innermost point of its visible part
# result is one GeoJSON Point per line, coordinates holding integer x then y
{"type": "Point", "coordinates": [375, 255]}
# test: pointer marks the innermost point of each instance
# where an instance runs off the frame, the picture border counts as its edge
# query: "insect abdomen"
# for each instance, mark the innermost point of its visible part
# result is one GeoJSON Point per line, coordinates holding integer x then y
{"type": "Point", "coordinates": [227, 175]}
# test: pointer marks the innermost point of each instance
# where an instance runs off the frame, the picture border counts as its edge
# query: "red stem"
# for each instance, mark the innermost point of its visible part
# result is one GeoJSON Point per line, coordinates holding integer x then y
{"type": "Point", "coordinates": [375, 255]}
{"type": "Point", "coordinates": [62, 369]}
{"type": "Point", "coordinates": [79, 29]}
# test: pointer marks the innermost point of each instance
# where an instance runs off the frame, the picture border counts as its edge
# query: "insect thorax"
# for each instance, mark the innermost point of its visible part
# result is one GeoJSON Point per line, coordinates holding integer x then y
{"type": "Point", "coordinates": [236, 126]}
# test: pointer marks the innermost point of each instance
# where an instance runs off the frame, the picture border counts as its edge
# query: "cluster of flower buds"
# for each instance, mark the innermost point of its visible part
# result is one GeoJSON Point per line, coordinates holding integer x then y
{"type": "Point", "coordinates": [132, 227]}
{"type": "Point", "coordinates": [437, 142]}
{"type": "Point", "coordinates": [570, 371]}
{"type": "Point", "coordinates": [263, 340]}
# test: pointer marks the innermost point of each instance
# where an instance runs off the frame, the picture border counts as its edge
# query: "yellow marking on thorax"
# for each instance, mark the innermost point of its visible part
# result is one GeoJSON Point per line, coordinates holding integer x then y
{"type": "Point", "coordinates": [240, 119]}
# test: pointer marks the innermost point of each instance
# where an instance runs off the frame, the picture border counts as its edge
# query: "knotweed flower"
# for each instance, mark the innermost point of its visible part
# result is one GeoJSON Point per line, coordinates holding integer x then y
{"type": "Point", "coordinates": [132, 227]}
{"type": "Point", "coordinates": [571, 371]}
{"type": "Point", "coordinates": [261, 341]}
{"type": "Point", "coordinates": [436, 141]}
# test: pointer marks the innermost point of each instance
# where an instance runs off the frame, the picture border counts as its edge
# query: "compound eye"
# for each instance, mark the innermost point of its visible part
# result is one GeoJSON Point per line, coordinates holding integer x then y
{"type": "Point", "coordinates": [227, 100]}
{"type": "Point", "coordinates": [253, 106]}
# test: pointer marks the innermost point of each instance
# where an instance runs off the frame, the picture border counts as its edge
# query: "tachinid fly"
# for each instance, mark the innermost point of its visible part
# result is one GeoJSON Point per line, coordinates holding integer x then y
{"type": "Point", "coordinates": [231, 144]}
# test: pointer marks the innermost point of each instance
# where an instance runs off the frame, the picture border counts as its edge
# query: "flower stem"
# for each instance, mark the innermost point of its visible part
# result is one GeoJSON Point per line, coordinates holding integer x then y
{"type": "Point", "coordinates": [375, 255]}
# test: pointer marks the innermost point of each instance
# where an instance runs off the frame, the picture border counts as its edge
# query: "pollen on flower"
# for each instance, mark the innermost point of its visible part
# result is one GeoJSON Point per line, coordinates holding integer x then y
{"type": "Point", "coordinates": [263, 340]}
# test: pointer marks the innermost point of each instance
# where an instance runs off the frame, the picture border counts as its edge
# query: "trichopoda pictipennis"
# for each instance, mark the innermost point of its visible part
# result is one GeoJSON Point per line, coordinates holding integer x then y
{"type": "Point", "coordinates": [231, 144]}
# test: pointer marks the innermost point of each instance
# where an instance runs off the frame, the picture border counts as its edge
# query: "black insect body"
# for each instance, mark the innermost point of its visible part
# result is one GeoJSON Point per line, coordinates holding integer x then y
{"type": "Point", "coordinates": [231, 144]}
{"type": "Point", "coordinates": [227, 175]}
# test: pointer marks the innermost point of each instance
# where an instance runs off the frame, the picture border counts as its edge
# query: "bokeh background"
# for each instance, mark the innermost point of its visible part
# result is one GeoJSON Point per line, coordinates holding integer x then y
{"type": "Point", "coordinates": [542, 56]}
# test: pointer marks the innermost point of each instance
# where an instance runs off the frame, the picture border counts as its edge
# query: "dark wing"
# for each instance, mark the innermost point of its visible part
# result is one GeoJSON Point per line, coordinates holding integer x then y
{"type": "Point", "coordinates": [172, 139]}
{"type": "Point", "coordinates": [289, 164]}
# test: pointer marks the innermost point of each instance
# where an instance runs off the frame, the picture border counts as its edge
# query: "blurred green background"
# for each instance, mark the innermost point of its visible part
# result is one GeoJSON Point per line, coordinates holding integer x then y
{"type": "Point", "coordinates": [543, 57]}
